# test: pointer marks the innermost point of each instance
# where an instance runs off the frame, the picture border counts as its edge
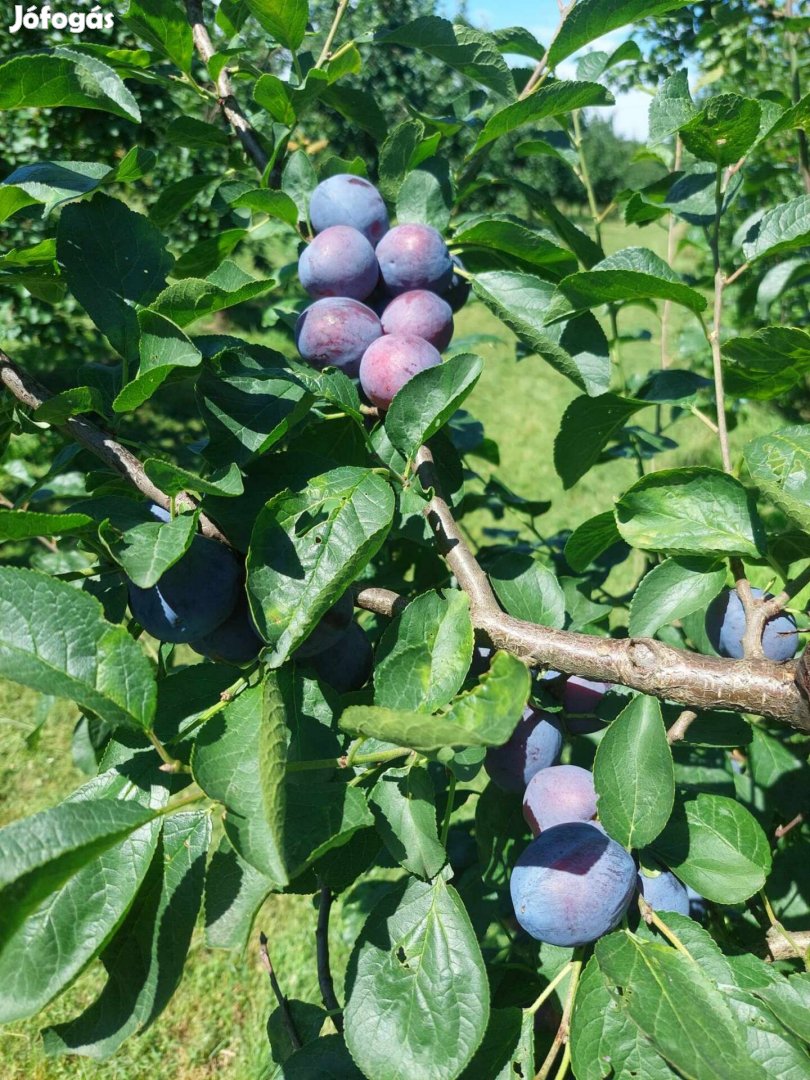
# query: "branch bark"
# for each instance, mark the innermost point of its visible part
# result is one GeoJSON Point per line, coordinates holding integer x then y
{"type": "Point", "coordinates": [31, 395]}
{"type": "Point", "coordinates": [230, 107]}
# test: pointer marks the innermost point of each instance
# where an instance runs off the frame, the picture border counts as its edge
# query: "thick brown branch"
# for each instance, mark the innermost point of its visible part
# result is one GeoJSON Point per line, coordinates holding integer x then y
{"type": "Point", "coordinates": [30, 394]}
{"type": "Point", "coordinates": [231, 109]}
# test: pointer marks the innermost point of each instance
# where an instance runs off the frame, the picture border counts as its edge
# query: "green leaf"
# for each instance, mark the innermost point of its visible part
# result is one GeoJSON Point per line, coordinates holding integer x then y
{"type": "Point", "coordinates": [604, 1040]}
{"type": "Point", "coordinates": [784, 228]}
{"type": "Point", "coordinates": [55, 182]}
{"type": "Point", "coordinates": [778, 464]}
{"type": "Point", "coordinates": [165, 26]}
{"type": "Point", "coordinates": [234, 892]}
{"type": "Point", "coordinates": [204, 257]}
{"type": "Point", "coordinates": [797, 116]}
{"type": "Point", "coordinates": [196, 134]}
{"type": "Point", "coordinates": [276, 204]}
{"type": "Point", "coordinates": [163, 347]}
{"type": "Point", "coordinates": [469, 51]}
{"type": "Point", "coordinates": [298, 181]}
{"type": "Point", "coordinates": [146, 551]}
{"type": "Point", "coordinates": [528, 590]}
{"type": "Point", "coordinates": [61, 936]}
{"type": "Point", "coordinates": [145, 960]}
{"type": "Point", "coordinates": [588, 425]}
{"type": "Point", "coordinates": [26, 524]}
{"type": "Point", "coordinates": [671, 108]}
{"type": "Point", "coordinates": [425, 653]}
{"type": "Point", "coordinates": [274, 95]}
{"type": "Point", "coordinates": [484, 716]}
{"type": "Point", "coordinates": [630, 275]}
{"type": "Point", "coordinates": [677, 1007]}
{"type": "Point", "coordinates": [634, 775]}
{"type": "Point", "coordinates": [577, 349]}
{"type": "Point", "coordinates": [769, 363]}
{"type": "Point", "coordinates": [671, 590]}
{"type": "Point", "coordinates": [185, 301]}
{"type": "Point", "coordinates": [286, 20]}
{"type": "Point", "coordinates": [321, 817]}
{"type": "Point", "coordinates": [64, 77]}
{"type": "Point", "coordinates": [426, 195]}
{"type": "Point", "coordinates": [404, 801]}
{"type": "Point", "coordinates": [510, 235]}
{"type": "Point", "coordinates": [590, 19]}
{"type": "Point", "coordinates": [695, 511]}
{"type": "Point", "coordinates": [54, 639]}
{"type": "Point", "coordinates": [113, 260]}
{"type": "Point", "coordinates": [428, 400]}
{"type": "Point", "coordinates": [73, 402]}
{"type": "Point", "coordinates": [171, 479]}
{"type": "Point", "coordinates": [508, 1047]}
{"type": "Point", "coordinates": [356, 106]}
{"type": "Point", "coordinates": [307, 547]}
{"type": "Point", "coordinates": [555, 99]}
{"type": "Point", "coordinates": [715, 845]}
{"type": "Point", "coordinates": [590, 539]}
{"type": "Point", "coordinates": [238, 759]}
{"type": "Point", "coordinates": [396, 156]}
{"type": "Point", "coordinates": [325, 1057]}
{"type": "Point", "coordinates": [418, 953]}
{"type": "Point", "coordinates": [39, 854]}
{"type": "Point", "coordinates": [13, 199]}
{"type": "Point", "coordinates": [247, 407]}
{"type": "Point", "coordinates": [176, 197]}
{"type": "Point", "coordinates": [724, 129]}
{"type": "Point", "coordinates": [789, 1001]}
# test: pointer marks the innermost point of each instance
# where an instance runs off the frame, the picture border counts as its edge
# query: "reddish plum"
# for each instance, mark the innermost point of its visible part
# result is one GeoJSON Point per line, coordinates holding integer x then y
{"type": "Point", "coordinates": [391, 361]}
{"type": "Point", "coordinates": [414, 257]}
{"type": "Point", "coordinates": [558, 794]}
{"type": "Point", "coordinates": [349, 200]}
{"type": "Point", "coordinates": [535, 744]}
{"type": "Point", "coordinates": [336, 331]}
{"type": "Point", "coordinates": [339, 262]}
{"type": "Point", "coordinates": [422, 313]}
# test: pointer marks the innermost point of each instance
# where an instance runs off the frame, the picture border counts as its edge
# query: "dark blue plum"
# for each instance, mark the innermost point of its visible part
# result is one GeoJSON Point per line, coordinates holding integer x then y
{"type": "Point", "coordinates": [339, 262]}
{"type": "Point", "coordinates": [481, 661]}
{"type": "Point", "coordinates": [330, 629]}
{"type": "Point", "coordinates": [457, 292]}
{"type": "Point", "coordinates": [234, 641]}
{"type": "Point", "coordinates": [558, 794]}
{"type": "Point", "coordinates": [391, 361]}
{"type": "Point", "coordinates": [572, 885]}
{"type": "Point", "coordinates": [580, 698]}
{"type": "Point", "coordinates": [349, 200]}
{"type": "Point", "coordinates": [193, 597]}
{"type": "Point", "coordinates": [348, 664]}
{"type": "Point", "coordinates": [535, 744]}
{"type": "Point", "coordinates": [725, 626]}
{"type": "Point", "coordinates": [335, 332]}
{"type": "Point", "coordinates": [420, 312]}
{"type": "Point", "coordinates": [414, 257]}
{"type": "Point", "coordinates": [664, 892]}
{"type": "Point", "coordinates": [159, 513]}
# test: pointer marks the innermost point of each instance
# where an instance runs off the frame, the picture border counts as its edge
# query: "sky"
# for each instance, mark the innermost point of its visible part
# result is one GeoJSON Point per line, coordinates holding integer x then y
{"type": "Point", "coordinates": [540, 17]}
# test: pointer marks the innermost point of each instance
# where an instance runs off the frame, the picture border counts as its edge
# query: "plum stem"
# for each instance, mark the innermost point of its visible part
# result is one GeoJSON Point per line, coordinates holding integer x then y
{"type": "Point", "coordinates": [649, 916]}
{"type": "Point", "coordinates": [561, 1038]}
{"type": "Point", "coordinates": [549, 990]}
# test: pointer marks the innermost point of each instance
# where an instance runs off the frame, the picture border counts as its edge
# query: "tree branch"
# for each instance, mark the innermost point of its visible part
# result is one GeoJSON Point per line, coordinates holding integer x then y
{"type": "Point", "coordinates": [231, 109]}
{"type": "Point", "coordinates": [325, 981]}
{"type": "Point", "coordinates": [31, 395]}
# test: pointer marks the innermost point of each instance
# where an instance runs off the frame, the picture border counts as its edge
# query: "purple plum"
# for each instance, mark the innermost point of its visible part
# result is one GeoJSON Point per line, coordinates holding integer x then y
{"type": "Point", "coordinates": [422, 313]}
{"type": "Point", "coordinates": [558, 794]}
{"type": "Point", "coordinates": [572, 884]}
{"type": "Point", "coordinates": [664, 892]}
{"type": "Point", "coordinates": [458, 291]}
{"type": "Point", "coordinates": [348, 664]}
{"type": "Point", "coordinates": [535, 744]}
{"type": "Point", "coordinates": [391, 361]}
{"type": "Point", "coordinates": [725, 626]}
{"type": "Point", "coordinates": [335, 332]}
{"type": "Point", "coordinates": [414, 257]}
{"type": "Point", "coordinates": [580, 698]}
{"type": "Point", "coordinates": [339, 262]}
{"type": "Point", "coordinates": [349, 200]}
{"type": "Point", "coordinates": [234, 641]}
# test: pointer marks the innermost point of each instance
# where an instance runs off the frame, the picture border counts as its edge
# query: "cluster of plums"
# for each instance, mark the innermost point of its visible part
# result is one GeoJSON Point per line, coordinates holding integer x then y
{"type": "Point", "coordinates": [201, 601]}
{"type": "Point", "coordinates": [573, 883]}
{"type": "Point", "coordinates": [384, 297]}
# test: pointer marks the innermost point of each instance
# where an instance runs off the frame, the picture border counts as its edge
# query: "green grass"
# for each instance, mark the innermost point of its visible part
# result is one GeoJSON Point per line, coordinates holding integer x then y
{"type": "Point", "coordinates": [215, 1024]}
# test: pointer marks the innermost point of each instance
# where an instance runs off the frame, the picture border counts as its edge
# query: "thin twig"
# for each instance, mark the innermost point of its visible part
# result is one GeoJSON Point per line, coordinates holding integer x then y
{"type": "Point", "coordinates": [330, 37]}
{"type": "Point", "coordinates": [230, 107]}
{"type": "Point", "coordinates": [561, 1038]}
{"type": "Point", "coordinates": [783, 830]}
{"type": "Point", "coordinates": [539, 72]}
{"type": "Point", "coordinates": [778, 927]}
{"type": "Point", "coordinates": [650, 917]}
{"type": "Point", "coordinates": [30, 394]}
{"type": "Point", "coordinates": [325, 981]}
{"type": "Point", "coordinates": [283, 1004]}
{"type": "Point", "coordinates": [549, 990]}
{"type": "Point", "coordinates": [679, 729]}
{"type": "Point", "coordinates": [667, 308]}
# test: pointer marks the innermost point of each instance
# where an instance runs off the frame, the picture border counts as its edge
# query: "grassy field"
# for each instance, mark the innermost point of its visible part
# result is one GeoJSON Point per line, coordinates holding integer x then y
{"type": "Point", "coordinates": [214, 1026]}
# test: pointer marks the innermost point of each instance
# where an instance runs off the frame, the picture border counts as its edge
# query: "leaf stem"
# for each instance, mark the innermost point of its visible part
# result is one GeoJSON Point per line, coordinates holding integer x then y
{"type": "Point", "coordinates": [549, 990]}
{"type": "Point", "coordinates": [170, 764]}
{"type": "Point", "coordinates": [346, 760]}
{"type": "Point", "coordinates": [650, 917]}
{"type": "Point", "coordinates": [448, 810]}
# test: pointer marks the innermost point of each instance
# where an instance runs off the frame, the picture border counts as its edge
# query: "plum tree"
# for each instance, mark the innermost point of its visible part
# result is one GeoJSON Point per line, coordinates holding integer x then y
{"type": "Point", "coordinates": [725, 627]}
{"type": "Point", "coordinates": [420, 312]}
{"type": "Point", "coordinates": [345, 199]}
{"type": "Point", "coordinates": [339, 262]}
{"type": "Point", "coordinates": [572, 884]}
{"type": "Point", "coordinates": [390, 361]}
{"type": "Point", "coordinates": [414, 257]}
{"type": "Point", "coordinates": [330, 629]}
{"type": "Point", "coordinates": [193, 597]}
{"type": "Point", "coordinates": [458, 291]}
{"type": "Point", "coordinates": [346, 665]}
{"type": "Point", "coordinates": [664, 892]}
{"type": "Point", "coordinates": [535, 744]}
{"type": "Point", "coordinates": [234, 641]}
{"type": "Point", "coordinates": [557, 794]}
{"type": "Point", "coordinates": [336, 331]}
